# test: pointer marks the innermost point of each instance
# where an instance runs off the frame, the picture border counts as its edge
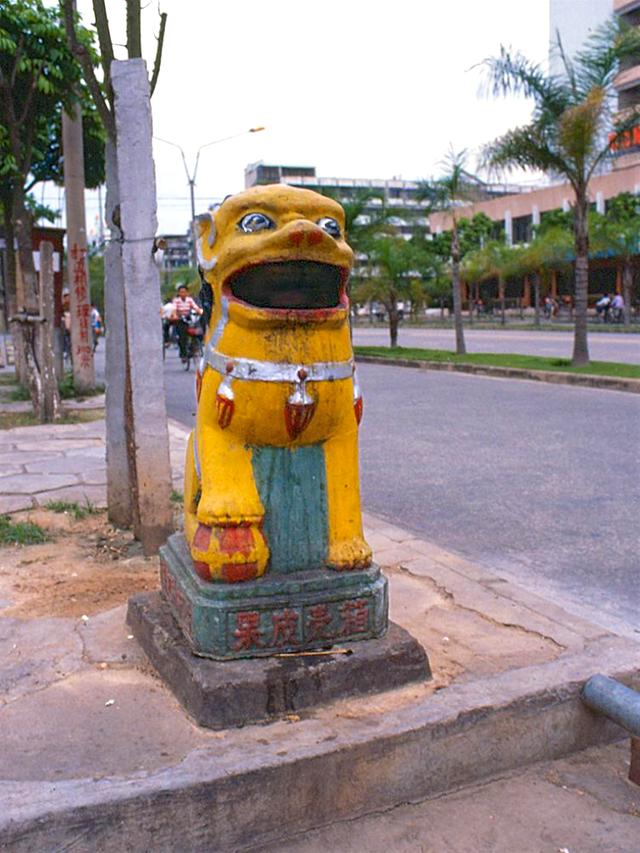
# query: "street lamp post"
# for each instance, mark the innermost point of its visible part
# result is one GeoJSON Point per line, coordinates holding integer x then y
{"type": "Point", "coordinates": [191, 176]}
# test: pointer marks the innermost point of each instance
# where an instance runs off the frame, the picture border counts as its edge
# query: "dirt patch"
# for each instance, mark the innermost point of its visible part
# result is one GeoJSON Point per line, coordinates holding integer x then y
{"type": "Point", "coordinates": [87, 567]}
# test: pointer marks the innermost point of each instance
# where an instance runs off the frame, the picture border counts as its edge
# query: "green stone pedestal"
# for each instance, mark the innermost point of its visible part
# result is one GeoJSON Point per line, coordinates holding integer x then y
{"type": "Point", "coordinates": [278, 613]}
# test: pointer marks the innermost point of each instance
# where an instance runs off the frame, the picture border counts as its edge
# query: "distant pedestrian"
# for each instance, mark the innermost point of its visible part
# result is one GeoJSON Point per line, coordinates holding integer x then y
{"type": "Point", "coordinates": [549, 307]}
{"type": "Point", "coordinates": [617, 308]}
{"type": "Point", "coordinates": [603, 306]}
{"type": "Point", "coordinates": [97, 328]}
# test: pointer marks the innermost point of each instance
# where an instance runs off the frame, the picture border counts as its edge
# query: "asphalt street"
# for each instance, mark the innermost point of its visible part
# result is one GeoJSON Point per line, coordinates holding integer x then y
{"type": "Point", "coordinates": [603, 346]}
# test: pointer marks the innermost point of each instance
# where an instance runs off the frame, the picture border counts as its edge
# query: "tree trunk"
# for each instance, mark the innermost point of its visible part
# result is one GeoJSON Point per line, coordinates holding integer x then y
{"type": "Point", "coordinates": [581, 247]}
{"type": "Point", "coordinates": [503, 316]}
{"type": "Point", "coordinates": [455, 282]}
{"type": "Point", "coordinates": [627, 287]}
{"type": "Point", "coordinates": [51, 394]}
{"type": "Point", "coordinates": [392, 311]}
{"type": "Point", "coordinates": [535, 276]}
{"type": "Point", "coordinates": [11, 289]}
{"type": "Point", "coordinates": [30, 328]}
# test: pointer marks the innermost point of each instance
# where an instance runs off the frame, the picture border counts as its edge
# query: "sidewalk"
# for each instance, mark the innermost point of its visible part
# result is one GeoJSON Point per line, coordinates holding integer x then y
{"type": "Point", "coordinates": [97, 754]}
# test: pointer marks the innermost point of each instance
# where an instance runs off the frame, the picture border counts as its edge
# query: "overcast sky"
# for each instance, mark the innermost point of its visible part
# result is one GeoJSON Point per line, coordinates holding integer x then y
{"type": "Point", "coordinates": [357, 89]}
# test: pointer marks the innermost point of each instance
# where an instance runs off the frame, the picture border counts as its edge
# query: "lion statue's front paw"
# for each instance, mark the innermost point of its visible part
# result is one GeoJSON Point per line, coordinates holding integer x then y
{"type": "Point", "coordinates": [349, 554]}
{"type": "Point", "coordinates": [229, 553]}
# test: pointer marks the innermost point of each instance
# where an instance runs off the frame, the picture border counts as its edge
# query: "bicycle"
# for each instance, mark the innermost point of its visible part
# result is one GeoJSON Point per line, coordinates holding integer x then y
{"type": "Point", "coordinates": [193, 345]}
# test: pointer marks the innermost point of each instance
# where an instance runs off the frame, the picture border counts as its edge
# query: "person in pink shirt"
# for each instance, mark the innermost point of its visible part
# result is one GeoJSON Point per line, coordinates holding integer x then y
{"type": "Point", "coordinates": [183, 305]}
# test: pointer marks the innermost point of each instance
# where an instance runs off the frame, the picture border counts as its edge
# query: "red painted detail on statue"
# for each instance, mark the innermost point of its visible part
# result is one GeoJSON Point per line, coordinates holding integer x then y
{"type": "Point", "coordinates": [318, 623]}
{"type": "Point", "coordinates": [297, 417]}
{"type": "Point", "coordinates": [358, 408]}
{"type": "Point", "coordinates": [198, 385]}
{"type": "Point", "coordinates": [236, 540]}
{"type": "Point", "coordinates": [314, 237]}
{"type": "Point", "coordinates": [296, 237]}
{"type": "Point", "coordinates": [247, 632]}
{"type": "Point", "coordinates": [238, 572]}
{"type": "Point", "coordinates": [203, 570]}
{"type": "Point", "coordinates": [226, 408]}
{"type": "Point", "coordinates": [285, 626]}
{"type": "Point", "coordinates": [202, 538]}
{"type": "Point", "coordinates": [176, 598]}
{"type": "Point", "coordinates": [355, 617]}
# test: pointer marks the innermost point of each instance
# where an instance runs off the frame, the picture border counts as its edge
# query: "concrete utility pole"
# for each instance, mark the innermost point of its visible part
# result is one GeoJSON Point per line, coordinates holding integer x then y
{"type": "Point", "coordinates": [84, 377]}
{"type": "Point", "coordinates": [145, 410]}
{"type": "Point", "coordinates": [120, 495]}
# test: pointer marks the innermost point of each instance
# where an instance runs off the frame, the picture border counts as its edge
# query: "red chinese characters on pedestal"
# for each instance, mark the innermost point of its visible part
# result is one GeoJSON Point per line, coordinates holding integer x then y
{"type": "Point", "coordinates": [284, 628]}
{"type": "Point", "coordinates": [355, 617]}
{"type": "Point", "coordinates": [247, 632]}
{"type": "Point", "coordinates": [318, 621]}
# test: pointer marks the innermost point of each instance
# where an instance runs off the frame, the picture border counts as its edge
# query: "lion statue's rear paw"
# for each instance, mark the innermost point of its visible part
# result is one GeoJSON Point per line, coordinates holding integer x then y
{"type": "Point", "coordinates": [349, 554]}
{"type": "Point", "coordinates": [229, 553]}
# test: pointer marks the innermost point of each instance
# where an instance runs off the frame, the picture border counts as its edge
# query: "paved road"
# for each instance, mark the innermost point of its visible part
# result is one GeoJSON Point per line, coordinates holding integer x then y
{"type": "Point", "coordinates": [603, 346]}
{"type": "Point", "coordinates": [539, 481]}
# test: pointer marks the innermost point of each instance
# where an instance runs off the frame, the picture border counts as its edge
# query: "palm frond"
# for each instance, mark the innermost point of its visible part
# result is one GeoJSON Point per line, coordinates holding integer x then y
{"type": "Point", "coordinates": [514, 74]}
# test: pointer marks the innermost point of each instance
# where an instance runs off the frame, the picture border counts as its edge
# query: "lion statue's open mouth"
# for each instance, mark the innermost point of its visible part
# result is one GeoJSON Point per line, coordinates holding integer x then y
{"type": "Point", "coordinates": [305, 285]}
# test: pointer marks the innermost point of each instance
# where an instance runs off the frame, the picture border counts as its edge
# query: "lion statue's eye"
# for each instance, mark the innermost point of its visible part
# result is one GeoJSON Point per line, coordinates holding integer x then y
{"type": "Point", "coordinates": [255, 222]}
{"type": "Point", "coordinates": [330, 226]}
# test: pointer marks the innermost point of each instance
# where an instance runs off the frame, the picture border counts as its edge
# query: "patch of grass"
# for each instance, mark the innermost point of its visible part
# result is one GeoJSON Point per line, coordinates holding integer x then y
{"type": "Point", "coordinates": [524, 362]}
{"type": "Point", "coordinates": [9, 420]}
{"type": "Point", "coordinates": [19, 393]}
{"type": "Point", "coordinates": [8, 378]}
{"type": "Point", "coordinates": [176, 496]}
{"type": "Point", "coordinates": [68, 391]}
{"type": "Point", "coordinates": [78, 510]}
{"type": "Point", "coordinates": [20, 532]}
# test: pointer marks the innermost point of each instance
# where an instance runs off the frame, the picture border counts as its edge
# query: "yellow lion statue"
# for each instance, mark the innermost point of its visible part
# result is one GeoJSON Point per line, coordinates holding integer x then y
{"type": "Point", "coordinates": [271, 479]}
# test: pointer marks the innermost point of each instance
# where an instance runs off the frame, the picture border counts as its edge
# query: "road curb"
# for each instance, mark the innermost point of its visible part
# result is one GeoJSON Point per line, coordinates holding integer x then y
{"type": "Point", "coordinates": [555, 377]}
{"type": "Point", "coordinates": [239, 794]}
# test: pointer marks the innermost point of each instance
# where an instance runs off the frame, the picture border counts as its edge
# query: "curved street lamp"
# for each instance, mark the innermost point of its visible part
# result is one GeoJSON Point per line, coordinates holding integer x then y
{"type": "Point", "coordinates": [191, 177]}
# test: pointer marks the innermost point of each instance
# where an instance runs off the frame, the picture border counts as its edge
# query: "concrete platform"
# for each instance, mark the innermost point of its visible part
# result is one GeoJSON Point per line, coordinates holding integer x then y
{"type": "Point", "coordinates": [222, 694]}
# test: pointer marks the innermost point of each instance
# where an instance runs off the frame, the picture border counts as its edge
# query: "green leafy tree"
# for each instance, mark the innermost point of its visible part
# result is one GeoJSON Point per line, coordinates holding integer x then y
{"type": "Point", "coordinates": [38, 77]}
{"type": "Point", "coordinates": [396, 269]}
{"type": "Point", "coordinates": [495, 260]}
{"type": "Point", "coordinates": [455, 188]}
{"type": "Point", "coordinates": [567, 135]}
{"type": "Point", "coordinates": [619, 233]}
{"type": "Point", "coordinates": [551, 249]}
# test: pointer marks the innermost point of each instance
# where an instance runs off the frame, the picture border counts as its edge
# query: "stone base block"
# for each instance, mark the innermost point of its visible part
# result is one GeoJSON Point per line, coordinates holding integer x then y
{"type": "Point", "coordinates": [283, 612]}
{"type": "Point", "coordinates": [224, 694]}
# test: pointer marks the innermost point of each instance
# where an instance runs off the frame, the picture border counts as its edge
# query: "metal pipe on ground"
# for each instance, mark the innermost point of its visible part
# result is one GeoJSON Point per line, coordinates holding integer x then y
{"type": "Point", "coordinates": [622, 705]}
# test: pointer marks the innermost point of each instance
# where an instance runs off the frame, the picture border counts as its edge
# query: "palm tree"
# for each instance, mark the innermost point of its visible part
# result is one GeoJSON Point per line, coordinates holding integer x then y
{"type": "Point", "coordinates": [567, 135]}
{"type": "Point", "coordinates": [397, 268]}
{"type": "Point", "coordinates": [456, 187]}
{"type": "Point", "coordinates": [619, 233]}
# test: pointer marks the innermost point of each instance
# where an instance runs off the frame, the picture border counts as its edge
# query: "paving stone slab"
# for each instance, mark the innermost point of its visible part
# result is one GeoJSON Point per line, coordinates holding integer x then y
{"type": "Point", "coordinates": [59, 444]}
{"type": "Point", "coordinates": [15, 503]}
{"type": "Point", "coordinates": [32, 484]}
{"type": "Point", "coordinates": [35, 653]}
